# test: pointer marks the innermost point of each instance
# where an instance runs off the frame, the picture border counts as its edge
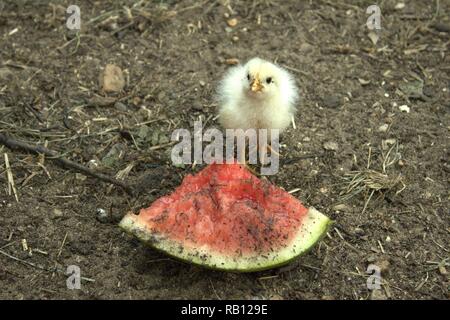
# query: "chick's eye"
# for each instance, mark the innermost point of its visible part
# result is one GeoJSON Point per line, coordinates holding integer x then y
{"type": "Point", "coordinates": [248, 76]}
{"type": "Point", "coordinates": [269, 80]}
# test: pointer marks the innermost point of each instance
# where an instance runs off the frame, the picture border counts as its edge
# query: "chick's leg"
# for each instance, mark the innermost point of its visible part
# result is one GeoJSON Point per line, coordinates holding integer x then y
{"type": "Point", "coordinates": [265, 147]}
{"type": "Point", "coordinates": [242, 158]}
{"type": "Point", "coordinates": [241, 154]}
{"type": "Point", "coordinates": [262, 151]}
{"type": "Point", "coordinates": [272, 151]}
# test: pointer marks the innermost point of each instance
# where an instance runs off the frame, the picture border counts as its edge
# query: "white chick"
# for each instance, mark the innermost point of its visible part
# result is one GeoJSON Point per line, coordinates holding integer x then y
{"type": "Point", "coordinates": [258, 95]}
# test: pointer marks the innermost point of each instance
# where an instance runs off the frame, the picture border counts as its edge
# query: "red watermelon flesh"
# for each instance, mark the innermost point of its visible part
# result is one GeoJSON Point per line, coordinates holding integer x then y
{"type": "Point", "coordinates": [225, 217]}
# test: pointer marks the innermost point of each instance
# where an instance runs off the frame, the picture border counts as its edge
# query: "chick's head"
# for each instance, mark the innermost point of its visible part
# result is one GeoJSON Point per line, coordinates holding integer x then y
{"type": "Point", "coordinates": [263, 79]}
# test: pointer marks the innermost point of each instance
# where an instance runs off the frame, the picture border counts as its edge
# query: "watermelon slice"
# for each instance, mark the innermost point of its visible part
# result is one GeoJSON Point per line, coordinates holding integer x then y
{"type": "Point", "coordinates": [226, 218]}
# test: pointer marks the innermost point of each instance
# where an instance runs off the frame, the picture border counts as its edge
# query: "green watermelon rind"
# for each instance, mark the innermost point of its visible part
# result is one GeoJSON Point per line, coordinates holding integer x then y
{"type": "Point", "coordinates": [314, 226]}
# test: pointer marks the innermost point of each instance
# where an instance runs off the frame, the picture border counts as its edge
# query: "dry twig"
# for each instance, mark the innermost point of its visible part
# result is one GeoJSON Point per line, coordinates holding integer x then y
{"type": "Point", "coordinates": [15, 144]}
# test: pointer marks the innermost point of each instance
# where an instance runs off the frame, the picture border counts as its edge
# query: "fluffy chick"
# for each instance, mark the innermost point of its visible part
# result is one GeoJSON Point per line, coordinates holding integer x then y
{"type": "Point", "coordinates": [258, 95]}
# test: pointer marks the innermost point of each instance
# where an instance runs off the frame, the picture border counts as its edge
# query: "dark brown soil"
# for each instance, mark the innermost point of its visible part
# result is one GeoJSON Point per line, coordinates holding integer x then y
{"type": "Point", "coordinates": [173, 55]}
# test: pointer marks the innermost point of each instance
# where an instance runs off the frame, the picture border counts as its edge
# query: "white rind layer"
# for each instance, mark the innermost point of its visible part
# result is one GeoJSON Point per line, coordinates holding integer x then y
{"type": "Point", "coordinates": [314, 226]}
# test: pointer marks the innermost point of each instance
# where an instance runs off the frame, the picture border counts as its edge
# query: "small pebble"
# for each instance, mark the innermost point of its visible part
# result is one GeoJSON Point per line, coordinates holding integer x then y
{"type": "Point", "coordinates": [330, 145]}
{"type": "Point", "coordinates": [112, 79]}
{"type": "Point", "coordinates": [386, 144]}
{"type": "Point", "coordinates": [383, 128]}
{"type": "Point", "coordinates": [399, 6]}
{"type": "Point", "coordinates": [92, 164]}
{"type": "Point", "coordinates": [443, 270]}
{"type": "Point", "coordinates": [363, 82]}
{"type": "Point", "coordinates": [374, 37]}
{"type": "Point", "coordinates": [102, 216]}
{"type": "Point", "coordinates": [57, 212]}
{"type": "Point", "coordinates": [24, 245]}
{"type": "Point", "coordinates": [404, 108]}
{"type": "Point", "coordinates": [232, 22]}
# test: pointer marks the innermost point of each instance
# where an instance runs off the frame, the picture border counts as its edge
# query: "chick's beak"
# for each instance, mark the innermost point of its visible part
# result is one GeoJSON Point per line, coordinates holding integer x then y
{"type": "Point", "coordinates": [256, 85]}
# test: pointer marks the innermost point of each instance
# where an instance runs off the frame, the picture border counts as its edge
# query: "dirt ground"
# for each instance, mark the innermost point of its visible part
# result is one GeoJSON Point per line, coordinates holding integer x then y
{"type": "Point", "coordinates": [173, 54]}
